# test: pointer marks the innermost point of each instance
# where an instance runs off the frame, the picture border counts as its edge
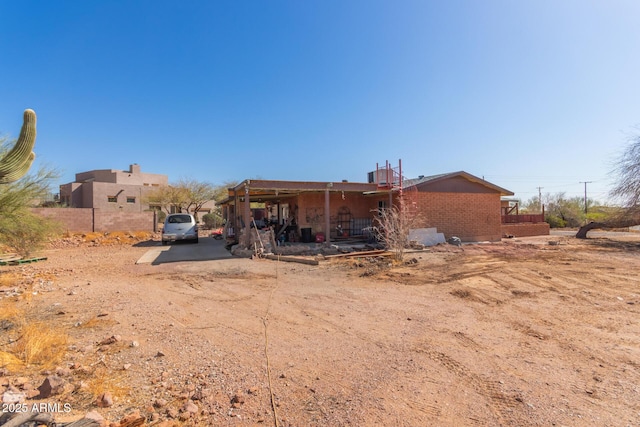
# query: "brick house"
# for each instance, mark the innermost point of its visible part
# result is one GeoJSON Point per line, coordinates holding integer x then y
{"type": "Point", "coordinates": [457, 204]}
{"type": "Point", "coordinates": [301, 210]}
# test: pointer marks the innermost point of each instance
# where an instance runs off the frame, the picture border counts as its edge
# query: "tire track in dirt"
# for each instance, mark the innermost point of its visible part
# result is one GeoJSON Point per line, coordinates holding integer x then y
{"type": "Point", "coordinates": [564, 283]}
{"type": "Point", "coordinates": [500, 402]}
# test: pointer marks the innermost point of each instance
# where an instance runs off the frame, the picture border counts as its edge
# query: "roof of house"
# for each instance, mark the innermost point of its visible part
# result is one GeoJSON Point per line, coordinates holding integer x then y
{"type": "Point", "coordinates": [441, 177]}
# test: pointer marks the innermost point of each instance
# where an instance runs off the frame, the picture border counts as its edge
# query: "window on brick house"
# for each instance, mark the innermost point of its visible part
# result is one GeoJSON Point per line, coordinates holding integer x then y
{"type": "Point", "coordinates": [382, 205]}
{"type": "Point", "coordinates": [131, 199]}
{"type": "Point", "coordinates": [112, 199]}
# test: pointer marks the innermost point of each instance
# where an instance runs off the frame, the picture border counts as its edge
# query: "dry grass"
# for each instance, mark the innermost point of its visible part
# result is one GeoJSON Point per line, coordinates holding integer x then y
{"type": "Point", "coordinates": [40, 345]}
{"type": "Point", "coordinates": [10, 362]}
{"type": "Point", "coordinates": [28, 343]}
{"type": "Point", "coordinates": [9, 279]}
{"type": "Point", "coordinates": [97, 322]}
{"type": "Point", "coordinates": [103, 380]}
{"type": "Point", "coordinates": [9, 311]}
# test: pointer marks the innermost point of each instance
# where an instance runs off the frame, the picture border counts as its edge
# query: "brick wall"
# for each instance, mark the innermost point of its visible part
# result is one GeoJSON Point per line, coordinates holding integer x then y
{"type": "Point", "coordinates": [525, 229]}
{"type": "Point", "coordinates": [86, 220]}
{"type": "Point", "coordinates": [311, 208]}
{"type": "Point", "coordinates": [472, 217]}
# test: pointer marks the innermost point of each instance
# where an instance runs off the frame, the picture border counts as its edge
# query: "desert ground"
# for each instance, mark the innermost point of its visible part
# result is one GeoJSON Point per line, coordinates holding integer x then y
{"type": "Point", "coordinates": [540, 331]}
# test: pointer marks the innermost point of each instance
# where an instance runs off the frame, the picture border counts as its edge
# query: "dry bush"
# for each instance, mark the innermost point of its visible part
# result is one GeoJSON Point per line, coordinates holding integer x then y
{"type": "Point", "coordinates": [8, 279]}
{"type": "Point", "coordinates": [40, 345]}
{"type": "Point", "coordinates": [28, 343]}
{"type": "Point", "coordinates": [103, 380]}
{"type": "Point", "coordinates": [9, 312]}
{"type": "Point", "coordinates": [393, 224]}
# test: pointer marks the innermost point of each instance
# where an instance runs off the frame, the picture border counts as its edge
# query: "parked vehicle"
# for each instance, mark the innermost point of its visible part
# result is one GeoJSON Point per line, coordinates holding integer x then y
{"type": "Point", "coordinates": [179, 227]}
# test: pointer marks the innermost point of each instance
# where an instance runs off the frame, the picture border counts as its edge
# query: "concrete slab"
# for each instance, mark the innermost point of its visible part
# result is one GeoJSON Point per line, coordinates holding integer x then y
{"type": "Point", "coordinates": [426, 236]}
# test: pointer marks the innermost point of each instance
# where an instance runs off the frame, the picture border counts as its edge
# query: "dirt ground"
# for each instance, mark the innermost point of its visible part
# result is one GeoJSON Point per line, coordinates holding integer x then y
{"type": "Point", "coordinates": [538, 331]}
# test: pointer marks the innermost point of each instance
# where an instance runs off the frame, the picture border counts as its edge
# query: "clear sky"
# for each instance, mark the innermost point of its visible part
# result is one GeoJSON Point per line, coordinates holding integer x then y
{"type": "Point", "coordinates": [527, 93]}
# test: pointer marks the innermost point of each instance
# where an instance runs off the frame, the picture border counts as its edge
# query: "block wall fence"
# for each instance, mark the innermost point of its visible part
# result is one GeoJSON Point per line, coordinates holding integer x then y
{"type": "Point", "coordinates": [87, 220]}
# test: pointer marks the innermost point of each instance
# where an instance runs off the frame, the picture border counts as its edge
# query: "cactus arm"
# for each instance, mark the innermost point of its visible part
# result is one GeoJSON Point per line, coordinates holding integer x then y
{"type": "Point", "coordinates": [18, 172]}
{"type": "Point", "coordinates": [18, 160]}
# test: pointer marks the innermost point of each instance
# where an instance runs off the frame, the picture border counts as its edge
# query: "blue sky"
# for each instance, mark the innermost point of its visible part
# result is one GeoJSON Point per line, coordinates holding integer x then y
{"type": "Point", "coordinates": [523, 93]}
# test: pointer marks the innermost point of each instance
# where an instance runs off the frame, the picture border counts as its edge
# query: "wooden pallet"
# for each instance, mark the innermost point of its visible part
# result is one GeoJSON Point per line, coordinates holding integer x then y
{"type": "Point", "coordinates": [18, 261]}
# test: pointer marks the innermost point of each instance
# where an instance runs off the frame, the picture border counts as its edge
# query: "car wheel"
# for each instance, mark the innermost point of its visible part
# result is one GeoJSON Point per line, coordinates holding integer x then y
{"type": "Point", "coordinates": [164, 243]}
{"type": "Point", "coordinates": [195, 240]}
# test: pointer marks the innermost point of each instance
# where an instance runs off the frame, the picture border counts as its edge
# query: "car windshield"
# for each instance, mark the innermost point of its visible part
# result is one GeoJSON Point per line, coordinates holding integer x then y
{"type": "Point", "coordinates": [179, 219]}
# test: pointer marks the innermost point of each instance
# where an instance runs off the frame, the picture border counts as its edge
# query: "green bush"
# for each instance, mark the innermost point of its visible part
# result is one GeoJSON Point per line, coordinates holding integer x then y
{"type": "Point", "coordinates": [555, 221]}
{"type": "Point", "coordinates": [212, 220]}
{"type": "Point", "coordinates": [161, 216]}
{"type": "Point", "coordinates": [25, 232]}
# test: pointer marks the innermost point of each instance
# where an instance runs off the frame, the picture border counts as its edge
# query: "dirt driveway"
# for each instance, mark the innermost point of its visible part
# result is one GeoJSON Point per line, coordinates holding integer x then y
{"type": "Point", "coordinates": [522, 332]}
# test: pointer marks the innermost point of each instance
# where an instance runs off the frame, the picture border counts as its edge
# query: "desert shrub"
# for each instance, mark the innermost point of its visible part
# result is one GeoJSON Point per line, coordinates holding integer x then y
{"type": "Point", "coordinates": [26, 232]}
{"type": "Point", "coordinates": [29, 342]}
{"type": "Point", "coordinates": [555, 221]}
{"type": "Point", "coordinates": [211, 220]}
{"type": "Point", "coordinates": [161, 216]}
{"type": "Point", "coordinates": [392, 226]}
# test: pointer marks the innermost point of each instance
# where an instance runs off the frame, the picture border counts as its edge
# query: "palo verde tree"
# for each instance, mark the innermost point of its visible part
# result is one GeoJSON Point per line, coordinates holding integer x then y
{"type": "Point", "coordinates": [186, 195]}
{"type": "Point", "coordinates": [197, 193]}
{"type": "Point", "coordinates": [20, 229]}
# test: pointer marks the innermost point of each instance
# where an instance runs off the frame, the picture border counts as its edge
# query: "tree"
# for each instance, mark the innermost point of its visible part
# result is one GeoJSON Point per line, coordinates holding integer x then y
{"type": "Point", "coordinates": [20, 229]}
{"type": "Point", "coordinates": [169, 198]}
{"type": "Point", "coordinates": [627, 171]}
{"type": "Point", "coordinates": [197, 194]}
{"type": "Point", "coordinates": [186, 195]}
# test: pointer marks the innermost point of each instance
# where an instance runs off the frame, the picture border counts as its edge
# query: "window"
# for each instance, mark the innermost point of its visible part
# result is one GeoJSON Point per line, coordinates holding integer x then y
{"type": "Point", "coordinates": [112, 199]}
{"type": "Point", "coordinates": [131, 199]}
{"type": "Point", "coordinates": [382, 205]}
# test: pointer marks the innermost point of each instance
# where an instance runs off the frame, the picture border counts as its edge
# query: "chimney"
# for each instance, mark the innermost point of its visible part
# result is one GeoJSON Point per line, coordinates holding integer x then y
{"type": "Point", "coordinates": [134, 168]}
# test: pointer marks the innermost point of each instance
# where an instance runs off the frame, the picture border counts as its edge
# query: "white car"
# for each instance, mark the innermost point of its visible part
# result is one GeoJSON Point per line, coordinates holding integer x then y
{"type": "Point", "coordinates": [179, 226]}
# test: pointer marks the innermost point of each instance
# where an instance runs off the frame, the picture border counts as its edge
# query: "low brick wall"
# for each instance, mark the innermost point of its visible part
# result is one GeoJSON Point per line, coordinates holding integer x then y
{"type": "Point", "coordinates": [87, 220]}
{"type": "Point", "coordinates": [524, 229]}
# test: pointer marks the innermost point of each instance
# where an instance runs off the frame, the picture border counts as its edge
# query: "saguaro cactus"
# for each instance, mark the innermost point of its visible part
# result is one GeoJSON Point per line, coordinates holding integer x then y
{"type": "Point", "coordinates": [15, 164]}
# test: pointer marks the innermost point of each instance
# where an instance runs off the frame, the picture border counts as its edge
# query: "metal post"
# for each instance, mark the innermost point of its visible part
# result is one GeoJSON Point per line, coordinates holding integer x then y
{"type": "Point", "coordinates": [247, 216]}
{"type": "Point", "coordinates": [327, 217]}
{"type": "Point", "coordinates": [585, 194]}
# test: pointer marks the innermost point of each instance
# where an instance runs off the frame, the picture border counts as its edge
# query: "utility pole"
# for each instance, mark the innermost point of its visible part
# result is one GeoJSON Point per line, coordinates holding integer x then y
{"type": "Point", "coordinates": [585, 194]}
{"type": "Point", "coordinates": [540, 197]}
